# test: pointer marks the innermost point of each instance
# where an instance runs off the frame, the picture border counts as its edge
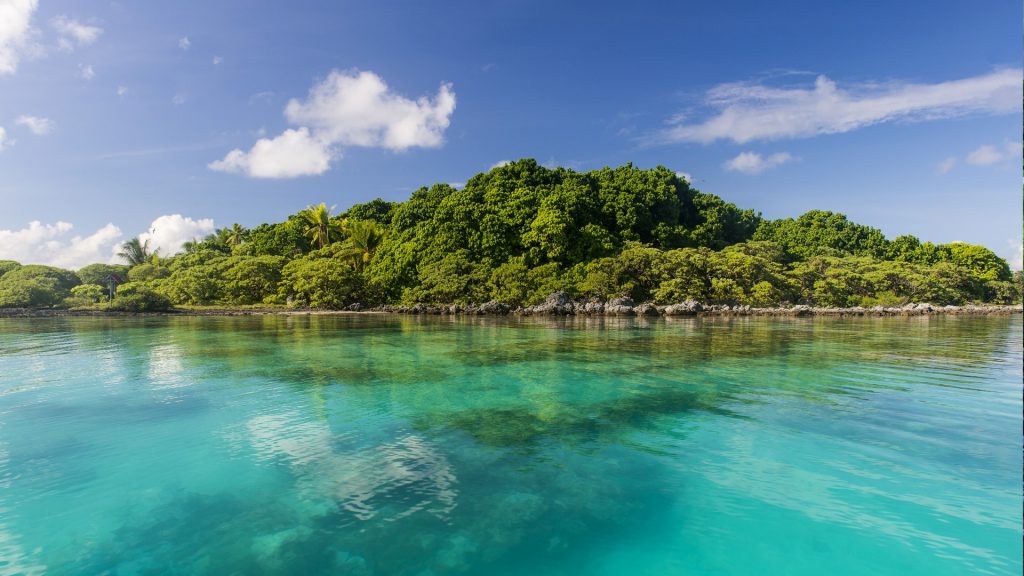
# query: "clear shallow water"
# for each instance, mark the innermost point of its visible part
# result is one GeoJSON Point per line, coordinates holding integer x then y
{"type": "Point", "coordinates": [387, 445]}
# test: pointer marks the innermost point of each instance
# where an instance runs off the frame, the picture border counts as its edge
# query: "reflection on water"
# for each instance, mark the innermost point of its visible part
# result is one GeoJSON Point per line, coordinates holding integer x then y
{"type": "Point", "coordinates": [391, 445]}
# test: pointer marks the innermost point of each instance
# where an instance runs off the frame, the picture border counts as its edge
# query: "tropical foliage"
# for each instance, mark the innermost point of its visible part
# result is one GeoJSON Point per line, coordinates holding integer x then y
{"type": "Point", "coordinates": [521, 231]}
{"type": "Point", "coordinates": [135, 252]}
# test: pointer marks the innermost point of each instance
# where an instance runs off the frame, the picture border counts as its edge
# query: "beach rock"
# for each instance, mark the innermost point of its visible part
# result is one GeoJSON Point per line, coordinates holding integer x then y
{"type": "Point", "coordinates": [356, 307]}
{"type": "Point", "coordinates": [592, 308]}
{"type": "Point", "coordinates": [557, 304]}
{"type": "Point", "coordinates": [646, 309]}
{"type": "Point", "coordinates": [494, 307]}
{"type": "Point", "coordinates": [801, 310]}
{"type": "Point", "coordinates": [616, 307]}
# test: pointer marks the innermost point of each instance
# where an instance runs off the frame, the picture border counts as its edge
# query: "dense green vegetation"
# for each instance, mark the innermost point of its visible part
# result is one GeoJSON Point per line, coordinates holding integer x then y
{"type": "Point", "coordinates": [520, 232]}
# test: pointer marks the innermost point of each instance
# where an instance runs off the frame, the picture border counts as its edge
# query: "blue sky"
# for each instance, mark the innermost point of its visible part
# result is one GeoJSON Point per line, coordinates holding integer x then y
{"type": "Point", "coordinates": [120, 118]}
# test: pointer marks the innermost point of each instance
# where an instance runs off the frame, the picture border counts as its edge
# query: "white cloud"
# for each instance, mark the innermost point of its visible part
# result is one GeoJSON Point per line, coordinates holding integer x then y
{"type": "Point", "coordinates": [686, 176]}
{"type": "Point", "coordinates": [122, 90]}
{"type": "Point", "coordinates": [36, 124]}
{"type": "Point", "coordinates": [184, 43]}
{"type": "Point", "coordinates": [346, 109]}
{"type": "Point", "coordinates": [984, 155]}
{"type": "Point", "coordinates": [754, 163]}
{"type": "Point", "coordinates": [292, 153]}
{"type": "Point", "coordinates": [72, 32]}
{"type": "Point", "coordinates": [499, 164]}
{"type": "Point", "coordinates": [359, 109]}
{"type": "Point", "coordinates": [15, 32]}
{"type": "Point", "coordinates": [217, 60]}
{"type": "Point", "coordinates": [946, 165]}
{"type": "Point", "coordinates": [169, 233]}
{"type": "Point", "coordinates": [54, 245]}
{"type": "Point", "coordinates": [86, 71]}
{"type": "Point", "coordinates": [178, 99]}
{"type": "Point", "coordinates": [4, 140]}
{"type": "Point", "coordinates": [1016, 260]}
{"type": "Point", "coordinates": [745, 112]}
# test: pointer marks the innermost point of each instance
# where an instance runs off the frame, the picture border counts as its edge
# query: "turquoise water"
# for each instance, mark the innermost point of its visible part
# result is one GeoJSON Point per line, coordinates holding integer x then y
{"type": "Point", "coordinates": [388, 445]}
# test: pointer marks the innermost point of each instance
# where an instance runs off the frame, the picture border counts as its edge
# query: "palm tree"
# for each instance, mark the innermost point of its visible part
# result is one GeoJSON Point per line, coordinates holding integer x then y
{"type": "Point", "coordinates": [363, 238]}
{"type": "Point", "coordinates": [235, 235]}
{"type": "Point", "coordinates": [136, 252]}
{"type": "Point", "coordinates": [190, 246]}
{"type": "Point", "coordinates": [319, 226]}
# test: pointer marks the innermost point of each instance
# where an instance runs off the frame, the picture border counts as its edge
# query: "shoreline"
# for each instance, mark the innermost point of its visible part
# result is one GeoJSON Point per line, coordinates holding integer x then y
{"type": "Point", "coordinates": [549, 309]}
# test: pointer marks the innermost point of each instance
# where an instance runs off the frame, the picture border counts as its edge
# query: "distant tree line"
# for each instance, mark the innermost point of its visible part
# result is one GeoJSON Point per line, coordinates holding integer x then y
{"type": "Point", "coordinates": [522, 231]}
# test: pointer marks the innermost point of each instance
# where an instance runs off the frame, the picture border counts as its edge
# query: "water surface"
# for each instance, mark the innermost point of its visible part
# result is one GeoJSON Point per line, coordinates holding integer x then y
{"type": "Point", "coordinates": [392, 445]}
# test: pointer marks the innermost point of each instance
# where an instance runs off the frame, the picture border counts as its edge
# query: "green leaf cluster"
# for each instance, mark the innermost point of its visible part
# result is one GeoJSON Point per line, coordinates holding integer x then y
{"type": "Point", "coordinates": [522, 231]}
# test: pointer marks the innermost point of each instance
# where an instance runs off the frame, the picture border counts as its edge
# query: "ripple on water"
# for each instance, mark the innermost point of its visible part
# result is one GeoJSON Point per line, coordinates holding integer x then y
{"type": "Point", "coordinates": [389, 445]}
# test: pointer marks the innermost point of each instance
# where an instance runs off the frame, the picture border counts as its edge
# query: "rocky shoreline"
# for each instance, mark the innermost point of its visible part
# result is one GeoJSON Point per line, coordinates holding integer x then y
{"type": "Point", "coordinates": [558, 304]}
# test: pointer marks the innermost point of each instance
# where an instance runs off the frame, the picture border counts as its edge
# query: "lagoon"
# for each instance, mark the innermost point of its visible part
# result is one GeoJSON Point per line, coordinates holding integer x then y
{"type": "Point", "coordinates": [377, 444]}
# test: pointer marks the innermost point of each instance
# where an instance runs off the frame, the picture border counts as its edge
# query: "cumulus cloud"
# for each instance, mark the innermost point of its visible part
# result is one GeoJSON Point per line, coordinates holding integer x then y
{"type": "Point", "coordinates": [72, 33]}
{"type": "Point", "coordinates": [499, 164]}
{"type": "Point", "coordinates": [217, 60]}
{"type": "Point", "coordinates": [56, 245]}
{"type": "Point", "coordinates": [4, 141]}
{"type": "Point", "coordinates": [754, 163]}
{"type": "Point", "coordinates": [686, 176]}
{"type": "Point", "coordinates": [345, 109]}
{"type": "Point", "coordinates": [122, 90]}
{"type": "Point", "coordinates": [745, 112]}
{"type": "Point", "coordinates": [36, 124]}
{"type": "Point", "coordinates": [359, 109]}
{"type": "Point", "coordinates": [15, 32]}
{"type": "Point", "coordinates": [184, 43]}
{"type": "Point", "coordinates": [1016, 259]}
{"type": "Point", "coordinates": [169, 233]}
{"type": "Point", "coordinates": [292, 153]}
{"type": "Point", "coordinates": [946, 165]}
{"type": "Point", "coordinates": [178, 99]}
{"type": "Point", "coordinates": [86, 71]}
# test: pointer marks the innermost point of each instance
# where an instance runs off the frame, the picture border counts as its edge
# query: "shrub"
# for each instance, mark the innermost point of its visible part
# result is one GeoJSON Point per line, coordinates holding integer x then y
{"type": "Point", "coordinates": [35, 286]}
{"type": "Point", "coordinates": [320, 282]}
{"type": "Point", "coordinates": [144, 272]}
{"type": "Point", "coordinates": [101, 273]}
{"type": "Point", "coordinates": [85, 295]}
{"type": "Point", "coordinates": [137, 297]}
{"type": "Point", "coordinates": [8, 265]}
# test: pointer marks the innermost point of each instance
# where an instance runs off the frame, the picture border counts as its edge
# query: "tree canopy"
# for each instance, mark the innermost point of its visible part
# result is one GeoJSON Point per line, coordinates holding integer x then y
{"type": "Point", "coordinates": [521, 231]}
